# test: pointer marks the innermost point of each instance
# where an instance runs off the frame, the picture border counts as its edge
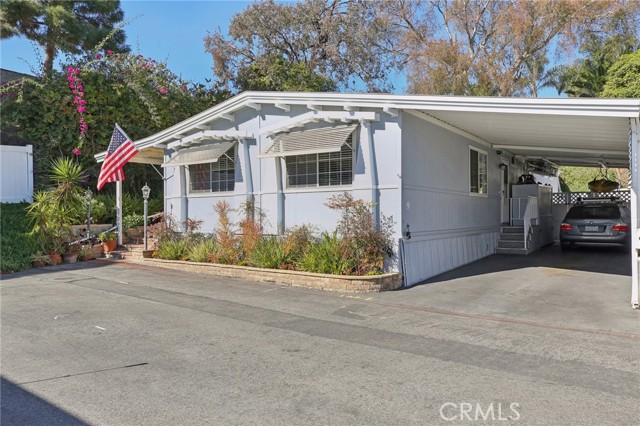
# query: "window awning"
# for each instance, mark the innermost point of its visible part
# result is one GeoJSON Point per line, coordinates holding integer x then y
{"type": "Point", "coordinates": [309, 141]}
{"type": "Point", "coordinates": [200, 154]}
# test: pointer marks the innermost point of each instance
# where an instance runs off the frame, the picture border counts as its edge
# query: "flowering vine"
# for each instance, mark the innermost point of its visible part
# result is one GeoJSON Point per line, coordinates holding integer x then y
{"type": "Point", "coordinates": [75, 84]}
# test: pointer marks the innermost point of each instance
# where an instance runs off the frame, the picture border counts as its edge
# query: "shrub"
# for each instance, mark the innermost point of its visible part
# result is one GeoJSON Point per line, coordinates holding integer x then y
{"type": "Point", "coordinates": [164, 230]}
{"type": "Point", "coordinates": [17, 245]}
{"type": "Point", "coordinates": [173, 249]}
{"type": "Point", "coordinates": [365, 245]}
{"type": "Point", "coordinates": [201, 251]}
{"type": "Point", "coordinates": [296, 243]}
{"type": "Point", "coordinates": [225, 237]}
{"type": "Point", "coordinates": [251, 231]}
{"type": "Point", "coordinates": [325, 256]}
{"type": "Point", "coordinates": [132, 221]}
{"type": "Point", "coordinates": [269, 252]}
{"type": "Point", "coordinates": [99, 212]}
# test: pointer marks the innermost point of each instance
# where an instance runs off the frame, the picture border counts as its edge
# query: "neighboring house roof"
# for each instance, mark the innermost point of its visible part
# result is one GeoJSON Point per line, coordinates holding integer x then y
{"type": "Point", "coordinates": [8, 75]}
{"type": "Point", "coordinates": [564, 130]}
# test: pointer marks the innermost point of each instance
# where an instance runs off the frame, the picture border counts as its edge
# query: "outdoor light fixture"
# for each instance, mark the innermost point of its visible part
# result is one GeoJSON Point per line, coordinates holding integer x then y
{"type": "Point", "coordinates": [87, 196]}
{"type": "Point", "coordinates": [145, 195]}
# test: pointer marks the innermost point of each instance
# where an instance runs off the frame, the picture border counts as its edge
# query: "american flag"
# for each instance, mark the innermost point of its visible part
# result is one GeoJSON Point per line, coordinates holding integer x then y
{"type": "Point", "coordinates": [120, 151]}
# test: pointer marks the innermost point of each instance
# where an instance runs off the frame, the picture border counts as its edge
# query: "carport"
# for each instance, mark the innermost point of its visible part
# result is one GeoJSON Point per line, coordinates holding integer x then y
{"type": "Point", "coordinates": [594, 132]}
{"type": "Point", "coordinates": [584, 132]}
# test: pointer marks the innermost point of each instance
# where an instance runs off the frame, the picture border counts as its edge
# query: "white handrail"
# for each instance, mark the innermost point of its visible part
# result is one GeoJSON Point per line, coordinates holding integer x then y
{"type": "Point", "coordinates": [530, 214]}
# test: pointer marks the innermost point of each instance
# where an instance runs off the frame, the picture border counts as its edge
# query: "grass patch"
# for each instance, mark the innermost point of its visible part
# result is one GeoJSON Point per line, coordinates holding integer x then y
{"type": "Point", "coordinates": [16, 245]}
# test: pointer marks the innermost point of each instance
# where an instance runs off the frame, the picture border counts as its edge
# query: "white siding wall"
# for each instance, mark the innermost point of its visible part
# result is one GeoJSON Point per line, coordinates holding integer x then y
{"type": "Point", "coordinates": [302, 205]}
{"type": "Point", "coordinates": [16, 168]}
{"type": "Point", "coordinates": [449, 226]}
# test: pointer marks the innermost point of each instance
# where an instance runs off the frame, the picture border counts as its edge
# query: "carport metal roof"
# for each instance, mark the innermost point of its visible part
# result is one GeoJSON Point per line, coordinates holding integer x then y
{"type": "Point", "coordinates": [565, 131]}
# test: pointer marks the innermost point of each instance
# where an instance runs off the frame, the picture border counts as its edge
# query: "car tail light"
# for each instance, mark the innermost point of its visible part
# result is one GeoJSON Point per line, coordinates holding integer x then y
{"type": "Point", "coordinates": [566, 227]}
{"type": "Point", "coordinates": [620, 227]}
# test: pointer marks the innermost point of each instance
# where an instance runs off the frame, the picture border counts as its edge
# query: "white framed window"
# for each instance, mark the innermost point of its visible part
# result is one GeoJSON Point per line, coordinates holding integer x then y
{"type": "Point", "coordinates": [218, 176]}
{"type": "Point", "coordinates": [477, 171]}
{"type": "Point", "coordinates": [322, 169]}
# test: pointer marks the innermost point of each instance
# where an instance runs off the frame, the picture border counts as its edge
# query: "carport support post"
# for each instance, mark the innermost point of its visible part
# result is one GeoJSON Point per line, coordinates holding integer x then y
{"type": "Point", "coordinates": [635, 232]}
{"type": "Point", "coordinates": [119, 210]}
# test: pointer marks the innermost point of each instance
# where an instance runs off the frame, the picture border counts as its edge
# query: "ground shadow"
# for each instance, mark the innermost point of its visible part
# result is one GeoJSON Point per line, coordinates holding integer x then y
{"type": "Point", "coordinates": [89, 264]}
{"type": "Point", "coordinates": [21, 407]}
{"type": "Point", "coordinates": [598, 259]}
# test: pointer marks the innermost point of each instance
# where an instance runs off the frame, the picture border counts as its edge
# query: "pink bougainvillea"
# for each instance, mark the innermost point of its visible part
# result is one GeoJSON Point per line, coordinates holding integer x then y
{"type": "Point", "coordinates": [75, 84]}
{"type": "Point", "coordinates": [76, 151]}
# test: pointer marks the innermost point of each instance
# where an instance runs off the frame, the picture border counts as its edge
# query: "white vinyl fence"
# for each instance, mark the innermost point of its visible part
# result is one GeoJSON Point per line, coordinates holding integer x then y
{"type": "Point", "coordinates": [16, 173]}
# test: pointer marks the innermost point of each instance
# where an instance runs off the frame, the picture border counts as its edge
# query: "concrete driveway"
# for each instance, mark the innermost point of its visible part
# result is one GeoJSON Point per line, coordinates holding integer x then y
{"type": "Point", "coordinates": [124, 344]}
{"type": "Point", "coordinates": [587, 287]}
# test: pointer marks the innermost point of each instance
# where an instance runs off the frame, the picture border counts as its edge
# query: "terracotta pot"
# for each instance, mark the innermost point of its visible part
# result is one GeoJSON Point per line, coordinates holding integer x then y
{"type": "Point", "coordinates": [147, 254]}
{"type": "Point", "coordinates": [55, 259]}
{"type": "Point", "coordinates": [96, 250]}
{"type": "Point", "coordinates": [109, 245]}
{"type": "Point", "coordinates": [70, 258]}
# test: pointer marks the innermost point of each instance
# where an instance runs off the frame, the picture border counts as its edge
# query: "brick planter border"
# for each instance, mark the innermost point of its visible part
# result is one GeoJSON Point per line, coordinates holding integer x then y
{"type": "Point", "coordinates": [326, 282]}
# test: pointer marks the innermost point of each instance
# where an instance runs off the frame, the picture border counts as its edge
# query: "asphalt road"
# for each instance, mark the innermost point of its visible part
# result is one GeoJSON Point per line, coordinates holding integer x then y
{"type": "Point", "coordinates": [122, 344]}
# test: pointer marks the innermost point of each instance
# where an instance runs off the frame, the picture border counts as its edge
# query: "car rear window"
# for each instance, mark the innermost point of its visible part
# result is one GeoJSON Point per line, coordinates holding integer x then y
{"type": "Point", "coordinates": [594, 212]}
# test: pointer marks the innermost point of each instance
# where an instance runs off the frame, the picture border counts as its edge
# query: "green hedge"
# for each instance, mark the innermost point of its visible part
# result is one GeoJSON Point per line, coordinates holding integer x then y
{"type": "Point", "coordinates": [16, 245]}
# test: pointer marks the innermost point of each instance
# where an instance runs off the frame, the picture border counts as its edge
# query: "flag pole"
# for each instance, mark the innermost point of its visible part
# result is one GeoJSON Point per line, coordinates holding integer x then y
{"type": "Point", "coordinates": [119, 210]}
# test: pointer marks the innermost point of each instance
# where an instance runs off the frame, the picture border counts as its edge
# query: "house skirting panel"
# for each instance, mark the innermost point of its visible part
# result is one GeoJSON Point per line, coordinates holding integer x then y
{"type": "Point", "coordinates": [423, 258]}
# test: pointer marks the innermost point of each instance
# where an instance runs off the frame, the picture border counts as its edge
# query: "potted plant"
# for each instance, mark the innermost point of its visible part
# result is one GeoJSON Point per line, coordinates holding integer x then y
{"type": "Point", "coordinates": [108, 240]}
{"type": "Point", "coordinates": [70, 255]}
{"type": "Point", "coordinates": [40, 259]}
{"type": "Point", "coordinates": [86, 252]}
{"type": "Point", "coordinates": [133, 223]}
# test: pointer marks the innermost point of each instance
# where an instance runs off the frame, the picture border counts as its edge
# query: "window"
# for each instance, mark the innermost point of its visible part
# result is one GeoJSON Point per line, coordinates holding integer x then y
{"type": "Point", "coordinates": [214, 177]}
{"type": "Point", "coordinates": [325, 169]}
{"type": "Point", "coordinates": [477, 171]}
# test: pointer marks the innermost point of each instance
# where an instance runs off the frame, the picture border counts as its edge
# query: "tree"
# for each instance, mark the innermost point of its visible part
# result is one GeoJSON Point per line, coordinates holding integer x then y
{"type": "Point", "coordinates": [73, 112]}
{"type": "Point", "coordinates": [60, 25]}
{"type": "Point", "coordinates": [587, 76]}
{"type": "Point", "coordinates": [486, 47]}
{"type": "Point", "coordinates": [623, 78]}
{"type": "Point", "coordinates": [270, 73]}
{"type": "Point", "coordinates": [341, 41]}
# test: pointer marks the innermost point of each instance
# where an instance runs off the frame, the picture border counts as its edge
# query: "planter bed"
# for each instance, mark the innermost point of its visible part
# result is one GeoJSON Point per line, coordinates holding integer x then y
{"type": "Point", "coordinates": [326, 282]}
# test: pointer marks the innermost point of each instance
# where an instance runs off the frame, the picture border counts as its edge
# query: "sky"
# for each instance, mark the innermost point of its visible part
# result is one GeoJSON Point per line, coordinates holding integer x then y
{"type": "Point", "coordinates": [171, 31]}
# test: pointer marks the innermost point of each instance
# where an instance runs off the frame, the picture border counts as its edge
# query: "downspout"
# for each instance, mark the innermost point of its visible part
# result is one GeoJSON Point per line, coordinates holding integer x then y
{"type": "Point", "coordinates": [184, 202]}
{"type": "Point", "coordinates": [635, 235]}
{"type": "Point", "coordinates": [248, 175]}
{"type": "Point", "coordinates": [280, 196]}
{"type": "Point", "coordinates": [375, 193]}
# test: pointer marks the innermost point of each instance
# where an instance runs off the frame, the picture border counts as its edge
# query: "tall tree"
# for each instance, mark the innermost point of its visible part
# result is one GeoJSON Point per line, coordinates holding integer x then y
{"type": "Point", "coordinates": [586, 77]}
{"type": "Point", "coordinates": [344, 41]}
{"type": "Point", "coordinates": [487, 47]}
{"type": "Point", "coordinates": [63, 25]}
{"type": "Point", "coordinates": [623, 78]}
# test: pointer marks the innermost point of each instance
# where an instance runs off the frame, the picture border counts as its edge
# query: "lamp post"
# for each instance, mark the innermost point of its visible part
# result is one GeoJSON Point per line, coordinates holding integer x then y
{"type": "Point", "coordinates": [145, 195]}
{"type": "Point", "coordinates": [87, 196]}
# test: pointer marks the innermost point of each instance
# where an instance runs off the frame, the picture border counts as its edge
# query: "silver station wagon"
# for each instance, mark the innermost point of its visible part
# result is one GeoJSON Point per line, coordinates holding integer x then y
{"type": "Point", "coordinates": [596, 221]}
